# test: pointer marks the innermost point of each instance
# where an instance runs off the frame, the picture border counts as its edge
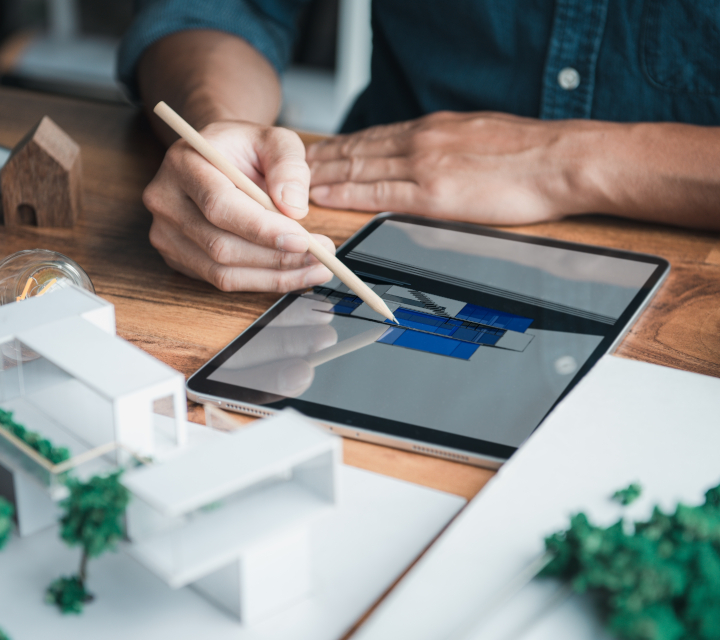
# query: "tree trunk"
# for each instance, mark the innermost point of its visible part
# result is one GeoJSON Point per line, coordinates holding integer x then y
{"type": "Point", "coordinates": [83, 568]}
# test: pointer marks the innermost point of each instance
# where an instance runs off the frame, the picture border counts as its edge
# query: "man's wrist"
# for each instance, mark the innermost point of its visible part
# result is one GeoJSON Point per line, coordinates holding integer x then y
{"type": "Point", "coordinates": [590, 166]}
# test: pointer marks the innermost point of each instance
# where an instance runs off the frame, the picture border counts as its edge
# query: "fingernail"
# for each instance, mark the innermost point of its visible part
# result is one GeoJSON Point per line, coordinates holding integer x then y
{"type": "Point", "coordinates": [293, 243]}
{"type": "Point", "coordinates": [319, 192]}
{"type": "Point", "coordinates": [317, 275]}
{"type": "Point", "coordinates": [294, 196]}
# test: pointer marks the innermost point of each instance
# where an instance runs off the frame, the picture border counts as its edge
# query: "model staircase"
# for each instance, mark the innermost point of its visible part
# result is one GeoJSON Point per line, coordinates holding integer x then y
{"type": "Point", "coordinates": [435, 309]}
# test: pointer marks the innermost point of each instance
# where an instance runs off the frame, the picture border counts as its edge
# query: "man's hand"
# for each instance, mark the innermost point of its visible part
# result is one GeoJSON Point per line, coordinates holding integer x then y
{"type": "Point", "coordinates": [206, 228]}
{"type": "Point", "coordinates": [480, 167]}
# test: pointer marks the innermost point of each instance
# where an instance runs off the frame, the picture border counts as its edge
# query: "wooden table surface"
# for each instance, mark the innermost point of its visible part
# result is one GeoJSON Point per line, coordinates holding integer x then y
{"type": "Point", "coordinates": [184, 322]}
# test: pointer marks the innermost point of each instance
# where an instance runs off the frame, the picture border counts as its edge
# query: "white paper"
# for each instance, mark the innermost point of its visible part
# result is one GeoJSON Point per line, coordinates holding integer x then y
{"type": "Point", "coordinates": [625, 422]}
{"type": "Point", "coordinates": [357, 551]}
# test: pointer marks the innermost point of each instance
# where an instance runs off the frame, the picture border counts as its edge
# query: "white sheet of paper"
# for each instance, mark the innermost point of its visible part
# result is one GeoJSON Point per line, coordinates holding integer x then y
{"type": "Point", "coordinates": [358, 550]}
{"type": "Point", "coordinates": [626, 421]}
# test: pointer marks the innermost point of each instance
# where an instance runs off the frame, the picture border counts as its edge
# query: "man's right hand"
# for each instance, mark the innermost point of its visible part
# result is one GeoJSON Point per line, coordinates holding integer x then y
{"type": "Point", "coordinates": [206, 228]}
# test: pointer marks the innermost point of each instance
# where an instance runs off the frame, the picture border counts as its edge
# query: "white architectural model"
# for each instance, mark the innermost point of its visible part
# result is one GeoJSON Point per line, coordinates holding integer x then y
{"type": "Point", "coordinates": [250, 520]}
{"type": "Point", "coordinates": [232, 516]}
{"type": "Point", "coordinates": [67, 376]}
{"type": "Point", "coordinates": [228, 515]}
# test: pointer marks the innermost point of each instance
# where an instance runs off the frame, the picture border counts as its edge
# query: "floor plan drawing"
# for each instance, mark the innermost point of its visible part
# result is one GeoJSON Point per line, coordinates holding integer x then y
{"type": "Point", "coordinates": [432, 323]}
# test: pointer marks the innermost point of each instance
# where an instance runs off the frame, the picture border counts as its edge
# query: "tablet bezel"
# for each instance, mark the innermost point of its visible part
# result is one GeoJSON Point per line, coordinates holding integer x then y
{"type": "Point", "coordinates": [395, 433]}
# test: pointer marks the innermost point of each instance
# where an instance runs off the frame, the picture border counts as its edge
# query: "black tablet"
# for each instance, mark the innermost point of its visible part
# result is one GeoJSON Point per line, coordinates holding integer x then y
{"type": "Point", "coordinates": [495, 328]}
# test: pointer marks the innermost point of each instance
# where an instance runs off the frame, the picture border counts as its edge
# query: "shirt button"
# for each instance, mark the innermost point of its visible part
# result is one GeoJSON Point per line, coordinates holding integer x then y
{"type": "Point", "coordinates": [569, 78]}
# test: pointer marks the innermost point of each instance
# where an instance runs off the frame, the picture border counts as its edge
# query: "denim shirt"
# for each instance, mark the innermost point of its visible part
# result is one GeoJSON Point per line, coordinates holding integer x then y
{"type": "Point", "coordinates": [651, 60]}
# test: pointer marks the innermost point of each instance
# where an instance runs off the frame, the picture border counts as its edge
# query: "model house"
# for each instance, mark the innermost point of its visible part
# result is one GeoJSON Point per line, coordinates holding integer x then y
{"type": "Point", "coordinates": [228, 514]}
{"type": "Point", "coordinates": [232, 517]}
{"type": "Point", "coordinates": [67, 377]}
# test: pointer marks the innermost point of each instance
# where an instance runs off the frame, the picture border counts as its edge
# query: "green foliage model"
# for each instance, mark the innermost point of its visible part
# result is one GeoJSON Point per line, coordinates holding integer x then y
{"type": "Point", "coordinates": [658, 582]}
{"type": "Point", "coordinates": [92, 520]}
{"type": "Point", "coordinates": [68, 594]}
{"type": "Point", "coordinates": [44, 447]}
{"type": "Point", "coordinates": [6, 515]}
{"type": "Point", "coordinates": [628, 495]}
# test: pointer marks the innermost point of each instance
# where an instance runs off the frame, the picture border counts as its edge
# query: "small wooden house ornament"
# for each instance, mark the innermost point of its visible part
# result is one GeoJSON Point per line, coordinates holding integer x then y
{"type": "Point", "coordinates": [41, 182]}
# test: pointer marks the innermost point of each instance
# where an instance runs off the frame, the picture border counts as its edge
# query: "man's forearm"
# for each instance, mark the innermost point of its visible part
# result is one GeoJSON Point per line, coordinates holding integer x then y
{"type": "Point", "coordinates": [660, 172]}
{"type": "Point", "coordinates": [208, 76]}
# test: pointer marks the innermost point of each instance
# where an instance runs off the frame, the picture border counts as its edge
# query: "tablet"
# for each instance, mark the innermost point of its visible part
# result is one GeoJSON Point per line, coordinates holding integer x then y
{"type": "Point", "coordinates": [495, 328]}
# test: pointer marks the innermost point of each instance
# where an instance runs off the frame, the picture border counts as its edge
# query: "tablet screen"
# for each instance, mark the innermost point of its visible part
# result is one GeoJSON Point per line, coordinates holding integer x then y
{"type": "Point", "coordinates": [494, 329]}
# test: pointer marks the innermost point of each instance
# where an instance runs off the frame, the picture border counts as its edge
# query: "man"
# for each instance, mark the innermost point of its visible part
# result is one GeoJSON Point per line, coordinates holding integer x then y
{"type": "Point", "coordinates": [492, 112]}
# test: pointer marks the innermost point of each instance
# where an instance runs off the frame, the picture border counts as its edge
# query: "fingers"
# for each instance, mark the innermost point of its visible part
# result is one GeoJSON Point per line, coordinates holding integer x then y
{"type": "Point", "coordinates": [222, 204]}
{"type": "Point", "coordinates": [206, 228]}
{"type": "Point", "coordinates": [229, 249]}
{"type": "Point", "coordinates": [373, 170]}
{"type": "Point", "coordinates": [282, 155]}
{"type": "Point", "coordinates": [185, 256]}
{"type": "Point", "coordinates": [325, 242]}
{"type": "Point", "coordinates": [386, 141]}
{"type": "Point", "coordinates": [361, 169]}
{"type": "Point", "coordinates": [384, 195]}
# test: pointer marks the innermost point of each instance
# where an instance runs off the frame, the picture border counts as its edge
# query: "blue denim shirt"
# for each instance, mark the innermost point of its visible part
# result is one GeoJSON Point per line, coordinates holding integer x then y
{"type": "Point", "coordinates": [657, 60]}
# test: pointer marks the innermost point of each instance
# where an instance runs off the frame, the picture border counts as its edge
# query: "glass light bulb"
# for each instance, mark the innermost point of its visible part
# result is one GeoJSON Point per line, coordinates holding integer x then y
{"type": "Point", "coordinates": [35, 272]}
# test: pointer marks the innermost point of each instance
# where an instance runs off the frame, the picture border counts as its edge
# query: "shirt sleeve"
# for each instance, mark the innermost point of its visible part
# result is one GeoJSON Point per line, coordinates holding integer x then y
{"type": "Point", "coordinates": [268, 25]}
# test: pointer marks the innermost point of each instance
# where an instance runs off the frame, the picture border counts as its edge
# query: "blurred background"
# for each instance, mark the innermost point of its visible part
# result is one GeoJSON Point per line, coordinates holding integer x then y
{"type": "Point", "coordinates": [68, 47]}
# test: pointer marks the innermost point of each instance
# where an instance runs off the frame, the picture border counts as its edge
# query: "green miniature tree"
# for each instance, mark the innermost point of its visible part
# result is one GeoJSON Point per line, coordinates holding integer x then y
{"type": "Point", "coordinates": [34, 440]}
{"type": "Point", "coordinates": [68, 594]}
{"type": "Point", "coordinates": [93, 521]}
{"type": "Point", "coordinates": [628, 495]}
{"type": "Point", "coordinates": [6, 516]}
{"type": "Point", "coordinates": [659, 581]}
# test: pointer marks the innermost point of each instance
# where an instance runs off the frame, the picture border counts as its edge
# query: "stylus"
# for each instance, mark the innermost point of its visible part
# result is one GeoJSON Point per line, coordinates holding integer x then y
{"type": "Point", "coordinates": [242, 182]}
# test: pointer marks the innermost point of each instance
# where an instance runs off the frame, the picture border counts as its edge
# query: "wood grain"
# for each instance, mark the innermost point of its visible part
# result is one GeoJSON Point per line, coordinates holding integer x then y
{"type": "Point", "coordinates": [184, 322]}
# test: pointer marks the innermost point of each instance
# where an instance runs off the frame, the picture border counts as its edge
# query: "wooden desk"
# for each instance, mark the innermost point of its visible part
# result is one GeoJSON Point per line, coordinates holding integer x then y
{"type": "Point", "coordinates": [184, 322]}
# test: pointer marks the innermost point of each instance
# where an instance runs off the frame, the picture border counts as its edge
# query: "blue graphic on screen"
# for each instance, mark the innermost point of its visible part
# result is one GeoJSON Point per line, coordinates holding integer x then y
{"type": "Point", "coordinates": [467, 331]}
{"type": "Point", "coordinates": [428, 342]}
{"type": "Point", "coordinates": [499, 319]}
{"type": "Point", "coordinates": [438, 333]}
{"type": "Point", "coordinates": [347, 304]}
{"type": "Point", "coordinates": [466, 336]}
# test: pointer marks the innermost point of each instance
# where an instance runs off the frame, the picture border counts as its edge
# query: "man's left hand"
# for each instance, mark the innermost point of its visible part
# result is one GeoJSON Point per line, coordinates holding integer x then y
{"type": "Point", "coordinates": [483, 167]}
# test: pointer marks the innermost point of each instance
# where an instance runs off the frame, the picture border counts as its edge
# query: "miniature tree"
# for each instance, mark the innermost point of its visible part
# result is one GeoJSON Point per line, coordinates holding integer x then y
{"type": "Point", "coordinates": [628, 495]}
{"type": "Point", "coordinates": [660, 581]}
{"type": "Point", "coordinates": [43, 446]}
{"type": "Point", "coordinates": [6, 515]}
{"type": "Point", "coordinates": [93, 521]}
